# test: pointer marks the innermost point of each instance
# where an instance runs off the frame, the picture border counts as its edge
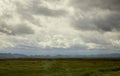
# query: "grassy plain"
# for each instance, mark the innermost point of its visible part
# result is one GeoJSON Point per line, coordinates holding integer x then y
{"type": "Point", "coordinates": [60, 67]}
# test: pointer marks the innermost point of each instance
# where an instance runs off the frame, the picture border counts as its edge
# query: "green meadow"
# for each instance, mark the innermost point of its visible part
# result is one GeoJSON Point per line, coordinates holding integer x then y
{"type": "Point", "coordinates": [60, 67]}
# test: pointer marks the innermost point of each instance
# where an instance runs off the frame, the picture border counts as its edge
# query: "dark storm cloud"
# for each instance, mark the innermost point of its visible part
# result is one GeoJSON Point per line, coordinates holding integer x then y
{"type": "Point", "coordinates": [106, 22]}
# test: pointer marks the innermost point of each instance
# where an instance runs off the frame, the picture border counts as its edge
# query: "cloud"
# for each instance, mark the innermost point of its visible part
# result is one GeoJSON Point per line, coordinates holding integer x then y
{"type": "Point", "coordinates": [113, 5]}
{"type": "Point", "coordinates": [97, 22]}
{"type": "Point", "coordinates": [35, 8]}
{"type": "Point", "coordinates": [100, 22]}
{"type": "Point", "coordinates": [96, 15]}
{"type": "Point", "coordinates": [48, 12]}
{"type": "Point", "coordinates": [4, 42]}
{"type": "Point", "coordinates": [20, 29]}
{"type": "Point", "coordinates": [60, 24]}
{"type": "Point", "coordinates": [4, 29]}
{"type": "Point", "coordinates": [109, 23]}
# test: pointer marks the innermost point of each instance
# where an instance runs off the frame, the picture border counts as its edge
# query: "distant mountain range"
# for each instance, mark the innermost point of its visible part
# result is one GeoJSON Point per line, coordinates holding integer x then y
{"type": "Point", "coordinates": [9, 55]}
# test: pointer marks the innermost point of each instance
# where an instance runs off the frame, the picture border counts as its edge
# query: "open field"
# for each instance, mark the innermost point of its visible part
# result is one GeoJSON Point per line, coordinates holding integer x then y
{"type": "Point", "coordinates": [59, 67]}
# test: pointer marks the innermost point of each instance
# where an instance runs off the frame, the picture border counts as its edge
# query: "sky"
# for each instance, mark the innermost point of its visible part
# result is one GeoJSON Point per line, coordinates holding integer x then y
{"type": "Point", "coordinates": [72, 27]}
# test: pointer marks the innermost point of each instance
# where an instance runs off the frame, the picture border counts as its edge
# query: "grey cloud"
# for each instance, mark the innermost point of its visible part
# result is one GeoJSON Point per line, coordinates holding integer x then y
{"type": "Point", "coordinates": [20, 29]}
{"type": "Point", "coordinates": [91, 4]}
{"type": "Point", "coordinates": [96, 38]}
{"type": "Point", "coordinates": [4, 28]}
{"type": "Point", "coordinates": [107, 23]}
{"type": "Point", "coordinates": [48, 12]}
{"type": "Point", "coordinates": [4, 31]}
{"type": "Point", "coordinates": [16, 29]}
{"type": "Point", "coordinates": [98, 16]}
{"type": "Point", "coordinates": [33, 8]}
{"type": "Point", "coordinates": [83, 24]}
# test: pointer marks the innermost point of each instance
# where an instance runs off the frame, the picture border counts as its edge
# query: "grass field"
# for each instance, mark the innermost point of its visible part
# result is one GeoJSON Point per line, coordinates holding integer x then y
{"type": "Point", "coordinates": [60, 67]}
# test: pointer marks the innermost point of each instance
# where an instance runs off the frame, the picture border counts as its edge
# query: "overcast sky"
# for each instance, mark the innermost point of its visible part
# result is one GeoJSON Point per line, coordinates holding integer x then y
{"type": "Point", "coordinates": [60, 26]}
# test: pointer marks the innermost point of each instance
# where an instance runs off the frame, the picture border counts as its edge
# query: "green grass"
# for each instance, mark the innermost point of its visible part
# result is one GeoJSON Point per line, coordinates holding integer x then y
{"type": "Point", "coordinates": [60, 67]}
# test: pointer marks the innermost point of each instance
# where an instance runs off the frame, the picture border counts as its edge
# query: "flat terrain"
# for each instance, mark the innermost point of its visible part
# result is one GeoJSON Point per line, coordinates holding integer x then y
{"type": "Point", "coordinates": [59, 67]}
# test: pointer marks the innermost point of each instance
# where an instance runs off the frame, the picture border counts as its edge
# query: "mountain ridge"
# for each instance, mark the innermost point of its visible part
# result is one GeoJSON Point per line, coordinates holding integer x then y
{"type": "Point", "coordinates": [10, 55]}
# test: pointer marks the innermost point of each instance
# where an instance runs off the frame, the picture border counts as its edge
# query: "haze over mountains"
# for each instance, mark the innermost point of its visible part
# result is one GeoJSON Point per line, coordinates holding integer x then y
{"type": "Point", "coordinates": [9, 55]}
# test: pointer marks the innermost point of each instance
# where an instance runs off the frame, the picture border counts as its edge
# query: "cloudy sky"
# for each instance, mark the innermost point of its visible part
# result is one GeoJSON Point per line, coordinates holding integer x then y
{"type": "Point", "coordinates": [60, 26]}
